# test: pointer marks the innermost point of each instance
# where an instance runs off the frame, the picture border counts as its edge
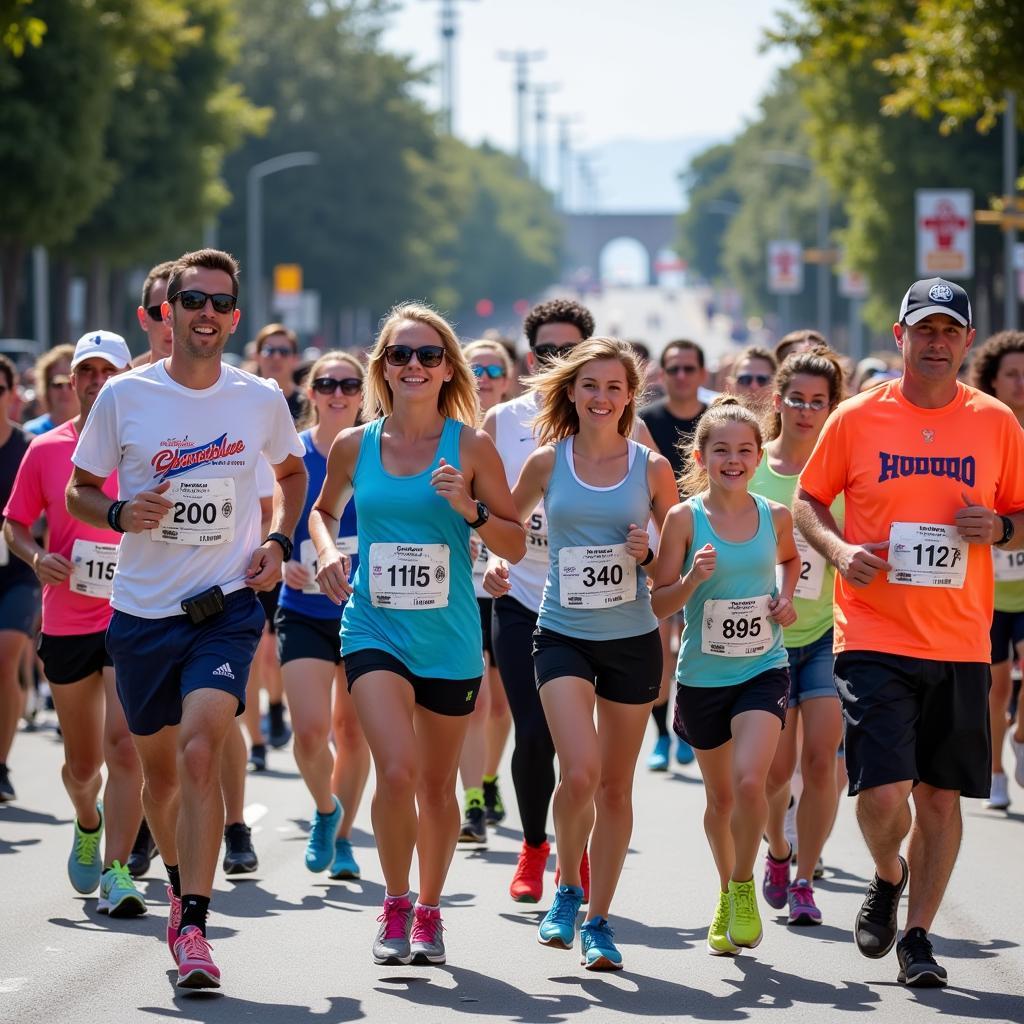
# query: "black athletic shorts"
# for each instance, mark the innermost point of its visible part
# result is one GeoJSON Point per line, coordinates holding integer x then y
{"type": "Point", "coordinates": [486, 609]}
{"type": "Point", "coordinates": [624, 671]}
{"type": "Point", "coordinates": [911, 719]}
{"type": "Point", "coordinates": [268, 598]}
{"type": "Point", "coordinates": [1006, 633]}
{"type": "Point", "coordinates": [452, 697]}
{"type": "Point", "coordinates": [704, 714]}
{"type": "Point", "coordinates": [304, 636]}
{"type": "Point", "coordinates": [67, 659]}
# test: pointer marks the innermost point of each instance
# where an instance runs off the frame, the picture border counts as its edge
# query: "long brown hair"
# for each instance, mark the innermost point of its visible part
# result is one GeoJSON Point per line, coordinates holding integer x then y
{"type": "Point", "coordinates": [557, 417]}
{"type": "Point", "coordinates": [819, 361]}
{"type": "Point", "coordinates": [725, 409]}
{"type": "Point", "coordinates": [458, 399]}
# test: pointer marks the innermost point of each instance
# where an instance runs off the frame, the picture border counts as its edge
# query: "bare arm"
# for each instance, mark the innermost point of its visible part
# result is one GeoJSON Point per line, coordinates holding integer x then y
{"type": "Point", "coordinates": [664, 497]}
{"type": "Point", "coordinates": [264, 569]}
{"type": "Point", "coordinates": [87, 502]}
{"type": "Point", "coordinates": [51, 568]}
{"type": "Point", "coordinates": [781, 607]}
{"type": "Point", "coordinates": [325, 516]}
{"type": "Point", "coordinates": [670, 589]}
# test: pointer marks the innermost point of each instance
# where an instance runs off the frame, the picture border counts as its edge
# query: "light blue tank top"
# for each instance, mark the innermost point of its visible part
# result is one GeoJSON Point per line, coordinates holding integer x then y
{"type": "Point", "coordinates": [441, 643]}
{"type": "Point", "coordinates": [745, 569]}
{"type": "Point", "coordinates": [580, 515]}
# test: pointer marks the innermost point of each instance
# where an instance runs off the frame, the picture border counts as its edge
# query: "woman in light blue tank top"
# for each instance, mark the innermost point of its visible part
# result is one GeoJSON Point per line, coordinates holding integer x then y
{"type": "Point", "coordinates": [719, 550]}
{"type": "Point", "coordinates": [422, 477]}
{"type": "Point", "coordinates": [597, 644]}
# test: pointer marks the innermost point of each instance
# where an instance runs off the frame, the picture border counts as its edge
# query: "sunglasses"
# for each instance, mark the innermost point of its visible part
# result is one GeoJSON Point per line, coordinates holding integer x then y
{"type": "Point", "coordinates": [550, 351]}
{"type": "Point", "coordinates": [760, 379]}
{"type": "Point", "coordinates": [675, 371]}
{"type": "Point", "coordinates": [428, 355]}
{"type": "Point", "coordinates": [330, 385]}
{"type": "Point", "coordinates": [276, 350]}
{"type": "Point", "coordinates": [494, 372]}
{"type": "Point", "coordinates": [193, 299]}
{"type": "Point", "coordinates": [156, 313]}
{"type": "Point", "coordinates": [794, 403]}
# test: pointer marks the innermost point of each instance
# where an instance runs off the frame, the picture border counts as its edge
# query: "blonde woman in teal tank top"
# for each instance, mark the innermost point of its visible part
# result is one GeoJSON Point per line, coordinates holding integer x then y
{"type": "Point", "coordinates": [718, 556]}
{"type": "Point", "coordinates": [421, 477]}
{"type": "Point", "coordinates": [807, 387]}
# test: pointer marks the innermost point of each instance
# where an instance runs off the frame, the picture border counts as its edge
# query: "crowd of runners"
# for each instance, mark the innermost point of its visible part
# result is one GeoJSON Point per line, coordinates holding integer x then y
{"type": "Point", "coordinates": [424, 557]}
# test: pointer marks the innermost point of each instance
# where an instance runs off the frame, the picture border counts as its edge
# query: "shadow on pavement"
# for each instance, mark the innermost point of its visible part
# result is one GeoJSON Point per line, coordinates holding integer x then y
{"type": "Point", "coordinates": [962, 1004]}
{"type": "Point", "coordinates": [250, 899]}
{"type": "Point", "coordinates": [17, 845]}
{"type": "Point", "coordinates": [17, 815]}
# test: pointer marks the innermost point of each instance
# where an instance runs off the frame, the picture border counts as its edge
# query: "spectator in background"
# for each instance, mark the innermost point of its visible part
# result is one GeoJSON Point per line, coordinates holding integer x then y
{"type": "Point", "coordinates": [751, 377]}
{"type": "Point", "coordinates": [277, 356]}
{"type": "Point", "coordinates": [798, 341]}
{"type": "Point", "coordinates": [157, 331]}
{"type": "Point", "coordinates": [53, 379]}
{"type": "Point", "coordinates": [874, 370]}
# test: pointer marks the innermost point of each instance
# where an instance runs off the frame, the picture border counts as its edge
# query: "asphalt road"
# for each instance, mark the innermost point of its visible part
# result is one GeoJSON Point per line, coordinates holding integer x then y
{"type": "Point", "coordinates": [294, 948]}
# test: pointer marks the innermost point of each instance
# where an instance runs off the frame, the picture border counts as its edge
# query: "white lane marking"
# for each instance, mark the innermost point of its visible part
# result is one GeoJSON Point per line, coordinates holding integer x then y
{"type": "Point", "coordinates": [253, 813]}
{"type": "Point", "coordinates": [12, 984]}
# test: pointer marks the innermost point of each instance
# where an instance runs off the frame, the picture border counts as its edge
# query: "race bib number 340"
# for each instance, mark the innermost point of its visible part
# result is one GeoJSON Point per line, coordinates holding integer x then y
{"type": "Point", "coordinates": [736, 627]}
{"type": "Point", "coordinates": [411, 577]}
{"type": "Point", "coordinates": [927, 555]}
{"type": "Point", "coordinates": [596, 577]}
{"type": "Point", "coordinates": [202, 512]}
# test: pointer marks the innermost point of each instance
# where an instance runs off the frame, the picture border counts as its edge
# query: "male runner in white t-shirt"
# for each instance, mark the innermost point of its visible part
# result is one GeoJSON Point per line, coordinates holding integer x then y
{"type": "Point", "coordinates": [185, 434]}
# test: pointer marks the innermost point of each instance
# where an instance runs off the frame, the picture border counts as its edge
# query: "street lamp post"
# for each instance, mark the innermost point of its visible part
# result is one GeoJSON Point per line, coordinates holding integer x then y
{"type": "Point", "coordinates": [254, 224]}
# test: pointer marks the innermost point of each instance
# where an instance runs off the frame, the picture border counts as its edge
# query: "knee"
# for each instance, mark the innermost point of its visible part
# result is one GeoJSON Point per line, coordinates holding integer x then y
{"type": "Point", "coordinates": [882, 803]}
{"type": "Point", "coordinates": [121, 755]}
{"type": "Point", "coordinates": [199, 761]}
{"type": "Point", "coordinates": [819, 768]}
{"type": "Point", "coordinates": [348, 734]}
{"type": "Point", "coordinates": [779, 777]}
{"type": "Point", "coordinates": [436, 796]}
{"type": "Point", "coordinates": [720, 803]}
{"type": "Point", "coordinates": [616, 796]}
{"type": "Point", "coordinates": [936, 808]}
{"type": "Point", "coordinates": [309, 737]}
{"type": "Point", "coordinates": [750, 788]}
{"type": "Point", "coordinates": [82, 766]}
{"type": "Point", "coordinates": [396, 780]}
{"type": "Point", "coordinates": [160, 790]}
{"type": "Point", "coordinates": [580, 781]}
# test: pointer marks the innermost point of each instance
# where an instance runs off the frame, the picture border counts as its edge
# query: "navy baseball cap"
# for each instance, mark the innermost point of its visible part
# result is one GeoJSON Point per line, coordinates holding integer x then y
{"type": "Point", "coordinates": [935, 295]}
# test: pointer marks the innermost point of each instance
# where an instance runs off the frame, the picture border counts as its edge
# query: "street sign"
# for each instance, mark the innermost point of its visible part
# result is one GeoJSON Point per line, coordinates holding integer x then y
{"type": "Point", "coordinates": [287, 278]}
{"type": "Point", "coordinates": [785, 267]}
{"type": "Point", "coordinates": [945, 232]}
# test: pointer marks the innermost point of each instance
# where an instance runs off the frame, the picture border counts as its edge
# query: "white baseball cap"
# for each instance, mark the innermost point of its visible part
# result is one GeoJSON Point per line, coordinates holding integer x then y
{"type": "Point", "coordinates": [102, 345]}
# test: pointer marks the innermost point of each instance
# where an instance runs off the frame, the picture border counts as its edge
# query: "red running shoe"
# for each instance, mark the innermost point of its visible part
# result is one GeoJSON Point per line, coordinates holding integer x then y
{"type": "Point", "coordinates": [528, 881]}
{"type": "Point", "coordinates": [584, 876]}
{"type": "Point", "coordinates": [196, 968]}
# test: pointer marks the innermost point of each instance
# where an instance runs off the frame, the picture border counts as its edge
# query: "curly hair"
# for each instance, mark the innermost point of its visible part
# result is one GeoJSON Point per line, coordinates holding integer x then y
{"type": "Point", "coordinates": [558, 311]}
{"type": "Point", "coordinates": [989, 357]}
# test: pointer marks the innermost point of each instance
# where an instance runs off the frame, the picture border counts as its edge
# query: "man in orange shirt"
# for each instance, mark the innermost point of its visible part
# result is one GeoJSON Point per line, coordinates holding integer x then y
{"type": "Point", "coordinates": [933, 474]}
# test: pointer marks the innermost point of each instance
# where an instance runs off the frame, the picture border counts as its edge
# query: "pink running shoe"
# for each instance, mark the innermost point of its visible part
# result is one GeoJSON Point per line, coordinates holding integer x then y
{"type": "Point", "coordinates": [391, 947]}
{"type": "Point", "coordinates": [173, 919]}
{"type": "Point", "coordinates": [427, 944]}
{"type": "Point", "coordinates": [776, 881]}
{"type": "Point", "coordinates": [196, 968]}
{"type": "Point", "coordinates": [802, 908]}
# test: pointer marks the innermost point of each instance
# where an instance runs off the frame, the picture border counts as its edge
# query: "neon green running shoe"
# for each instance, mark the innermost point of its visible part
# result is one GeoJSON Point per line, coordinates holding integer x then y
{"type": "Point", "coordinates": [719, 943]}
{"type": "Point", "coordinates": [85, 863]}
{"type": "Point", "coordinates": [118, 895]}
{"type": "Point", "coordinates": [744, 919]}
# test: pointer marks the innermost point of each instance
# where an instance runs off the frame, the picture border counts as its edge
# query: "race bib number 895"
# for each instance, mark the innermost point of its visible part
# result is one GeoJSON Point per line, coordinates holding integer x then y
{"type": "Point", "coordinates": [737, 627]}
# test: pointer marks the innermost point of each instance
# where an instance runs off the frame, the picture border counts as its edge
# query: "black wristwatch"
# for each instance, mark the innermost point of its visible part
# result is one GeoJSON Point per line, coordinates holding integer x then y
{"type": "Point", "coordinates": [483, 513]}
{"type": "Point", "coordinates": [1007, 530]}
{"type": "Point", "coordinates": [285, 542]}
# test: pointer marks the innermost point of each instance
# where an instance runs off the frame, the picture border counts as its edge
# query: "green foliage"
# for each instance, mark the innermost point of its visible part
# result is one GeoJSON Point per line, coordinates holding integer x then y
{"type": "Point", "coordinates": [19, 28]}
{"type": "Point", "coordinates": [713, 200]}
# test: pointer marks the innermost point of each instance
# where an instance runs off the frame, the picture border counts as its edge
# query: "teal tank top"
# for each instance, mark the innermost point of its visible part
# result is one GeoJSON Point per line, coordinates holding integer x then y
{"type": "Point", "coordinates": [434, 642]}
{"type": "Point", "coordinates": [742, 570]}
{"type": "Point", "coordinates": [583, 516]}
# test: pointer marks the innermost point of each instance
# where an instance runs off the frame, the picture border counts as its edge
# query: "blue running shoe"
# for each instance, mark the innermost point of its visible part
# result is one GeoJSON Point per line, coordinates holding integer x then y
{"type": "Point", "coordinates": [118, 895]}
{"type": "Point", "coordinates": [344, 864]}
{"type": "Point", "coordinates": [320, 848]}
{"type": "Point", "coordinates": [684, 752]}
{"type": "Point", "coordinates": [599, 951]}
{"type": "Point", "coordinates": [558, 928]}
{"type": "Point", "coordinates": [85, 865]}
{"type": "Point", "coordinates": [657, 761]}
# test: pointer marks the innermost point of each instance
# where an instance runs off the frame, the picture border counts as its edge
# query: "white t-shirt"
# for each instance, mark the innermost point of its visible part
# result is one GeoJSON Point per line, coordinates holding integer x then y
{"type": "Point", "coordinates": [151, 429]}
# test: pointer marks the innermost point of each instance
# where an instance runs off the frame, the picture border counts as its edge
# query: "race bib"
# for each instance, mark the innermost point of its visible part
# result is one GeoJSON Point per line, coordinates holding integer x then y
{"type": "Point", "coordinates": [307, 556]}
{"type": "Point", "coordinates": [596, 577]}
{"type": "Point", "coordinates": [812, 569]}
{"type": "Point", "coordinates": [1009, 565]}
{"type": "Point", "coordinates": [409, 576]}
{"type": "Point", "coordinates": [737, 627]}
{"type": "Point", "coordinates": [482, 555]}
{"type": "Point", "coordinates": [537, 536]}
{"type": "Point", "coordinates": [202, 512]}
{"type": "Point", "coordinates": [94, 565]}
{"type": "Point", "coordinates": [927, 555]}
{"type": "Point", "coordinates": [5, 554]}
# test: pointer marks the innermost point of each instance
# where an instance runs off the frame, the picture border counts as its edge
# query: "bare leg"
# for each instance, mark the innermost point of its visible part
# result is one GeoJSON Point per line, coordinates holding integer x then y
{"type": "Point", "coordinates": [12, 643]}
{"type": "Point", "coordinates": [716, 770]}
{"type": "Point", "coordinates": [883, 814]}
{"type": "Point", "coordinates": [499, 723]}
{"type": "Point", "coordinates": [778, 788]}
{"type": "Point", "coordinates": [122, 796]}
{"type": "Point", "coordinates": [232, 774]}
{"type": "Point", "coordinates": [998, 702]}
{"type": "Point", "coordinates": [934, 844]}
{"type": "Point", "coordinates": [161, 795]}
{"type": "Point", "coordinates": [823, 730]}
{"type": "Point", "coordinates": [308, 684]}
{"type": "Point", "coordinates": [79, 709]}
{"type": "Point", "coordinates": [474, 747]}
{"type": "Point", "coordinates": [351, 754]}
{"type": "Point", "coordinates": [755, 737]}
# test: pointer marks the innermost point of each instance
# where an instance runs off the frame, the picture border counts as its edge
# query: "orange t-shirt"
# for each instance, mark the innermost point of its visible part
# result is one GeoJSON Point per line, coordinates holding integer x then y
{"type": "Point", "coordinates": [896, 462]}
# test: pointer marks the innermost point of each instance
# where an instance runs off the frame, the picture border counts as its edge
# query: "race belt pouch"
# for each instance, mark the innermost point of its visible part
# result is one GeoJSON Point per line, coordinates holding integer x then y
{"type": "Point", "coordinates": [203, 606]}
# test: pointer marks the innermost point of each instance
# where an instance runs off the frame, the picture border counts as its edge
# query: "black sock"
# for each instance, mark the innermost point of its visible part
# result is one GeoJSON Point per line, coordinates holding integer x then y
{"type": "Point", "coordinates": [174, 878]}
{"type": "Point", "coordinates": [193, 912]}
{"type": "Point", "coordinates": [276, 712]}
{"type": "Point", "coordinates": [660, 715]}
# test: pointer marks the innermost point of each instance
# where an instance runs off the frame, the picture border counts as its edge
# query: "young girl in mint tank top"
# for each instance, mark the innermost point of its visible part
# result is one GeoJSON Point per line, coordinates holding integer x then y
{"type": "Point", "coordinates": [718, 556]}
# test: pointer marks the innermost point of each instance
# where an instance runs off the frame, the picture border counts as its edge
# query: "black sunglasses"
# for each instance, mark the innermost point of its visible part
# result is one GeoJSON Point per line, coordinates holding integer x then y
{"type": "Point", "coordinates": [155, 313]}
{"type": "Point", "coordinates": [193, 299]}
{"type": "Point", "coordinates": [329, 385]}
{"type": "Point", "coordinates": [746, 379]}
{"type": "Point", "coordinates": [494, 372]}
{"type": "Point", "coordinates": [550, 351]}
{"type": "Point", "coordinates": [428, 355]}
{"type": "Point", "coordinates": [276, 350]}
{"type": "Point", "coordinates": [674, 371]}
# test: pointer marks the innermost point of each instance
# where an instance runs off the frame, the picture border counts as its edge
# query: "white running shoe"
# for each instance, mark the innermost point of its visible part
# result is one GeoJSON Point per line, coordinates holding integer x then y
{"type": "Point", "coordinates": [789, 826]}
{"type": "Point", "coordinates": [1018, 753]}
{"type": "Point", "coordinates": [999, 797]}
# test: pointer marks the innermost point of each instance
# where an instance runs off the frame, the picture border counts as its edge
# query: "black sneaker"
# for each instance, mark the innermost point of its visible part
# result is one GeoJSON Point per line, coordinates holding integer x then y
{"type": "Point", "coordinates": [474, 828]}
{"type": "Point", "coordinates": [239, 856]}
{"type": "Point", "coordinates": [258, 757]}
{"type": "Point", "coordinates": [494, 809]}
{"type": "Point", "coordinates": [278, 730]}
{"type": "Point", "coordinates": [6, 789]}
{"type": "Point", "coordinates": [876, 926]}
{"type": "Point", "coordinates": [917, 965]}
{"type": "Point", "coordinates": [143, 852]}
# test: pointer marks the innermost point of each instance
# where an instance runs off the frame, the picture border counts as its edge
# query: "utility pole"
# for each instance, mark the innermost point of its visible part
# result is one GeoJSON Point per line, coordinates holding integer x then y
{"type": "Point", "coordinates": [565, 160]}
{"type": "Point", "coordinates": [522, 60]}
{"type": "Point", "coordinates": [1011, 298]}
{"type": "Point", "coordinates": [449, 22]}
{"type": "Point", "coordinates": [540, 118]}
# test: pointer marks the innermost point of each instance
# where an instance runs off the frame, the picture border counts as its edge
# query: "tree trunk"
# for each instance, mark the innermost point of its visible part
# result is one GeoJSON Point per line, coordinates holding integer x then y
{"type": "Point", "coordinates": [12, 278]}
{"type": "Point", "coordinates": [60, 325]}
{"type": "Point", "coordinates": [97, 305]}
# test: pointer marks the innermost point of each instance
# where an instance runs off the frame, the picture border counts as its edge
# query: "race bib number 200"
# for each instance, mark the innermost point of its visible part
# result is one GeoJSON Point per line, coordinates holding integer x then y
{"type": "Point", "coordinates": [202, 512]}
{"type": "Point", "coordinates": [412, 577]}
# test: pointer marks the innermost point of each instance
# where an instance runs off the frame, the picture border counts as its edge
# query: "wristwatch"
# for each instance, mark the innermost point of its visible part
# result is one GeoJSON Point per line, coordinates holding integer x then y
{"type": "Point", "coordinates": [483, 513]}
{"type": "Point", "coordinates": [1007, 530]}
{"type": "Point", "coordinates": [285, 542]}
